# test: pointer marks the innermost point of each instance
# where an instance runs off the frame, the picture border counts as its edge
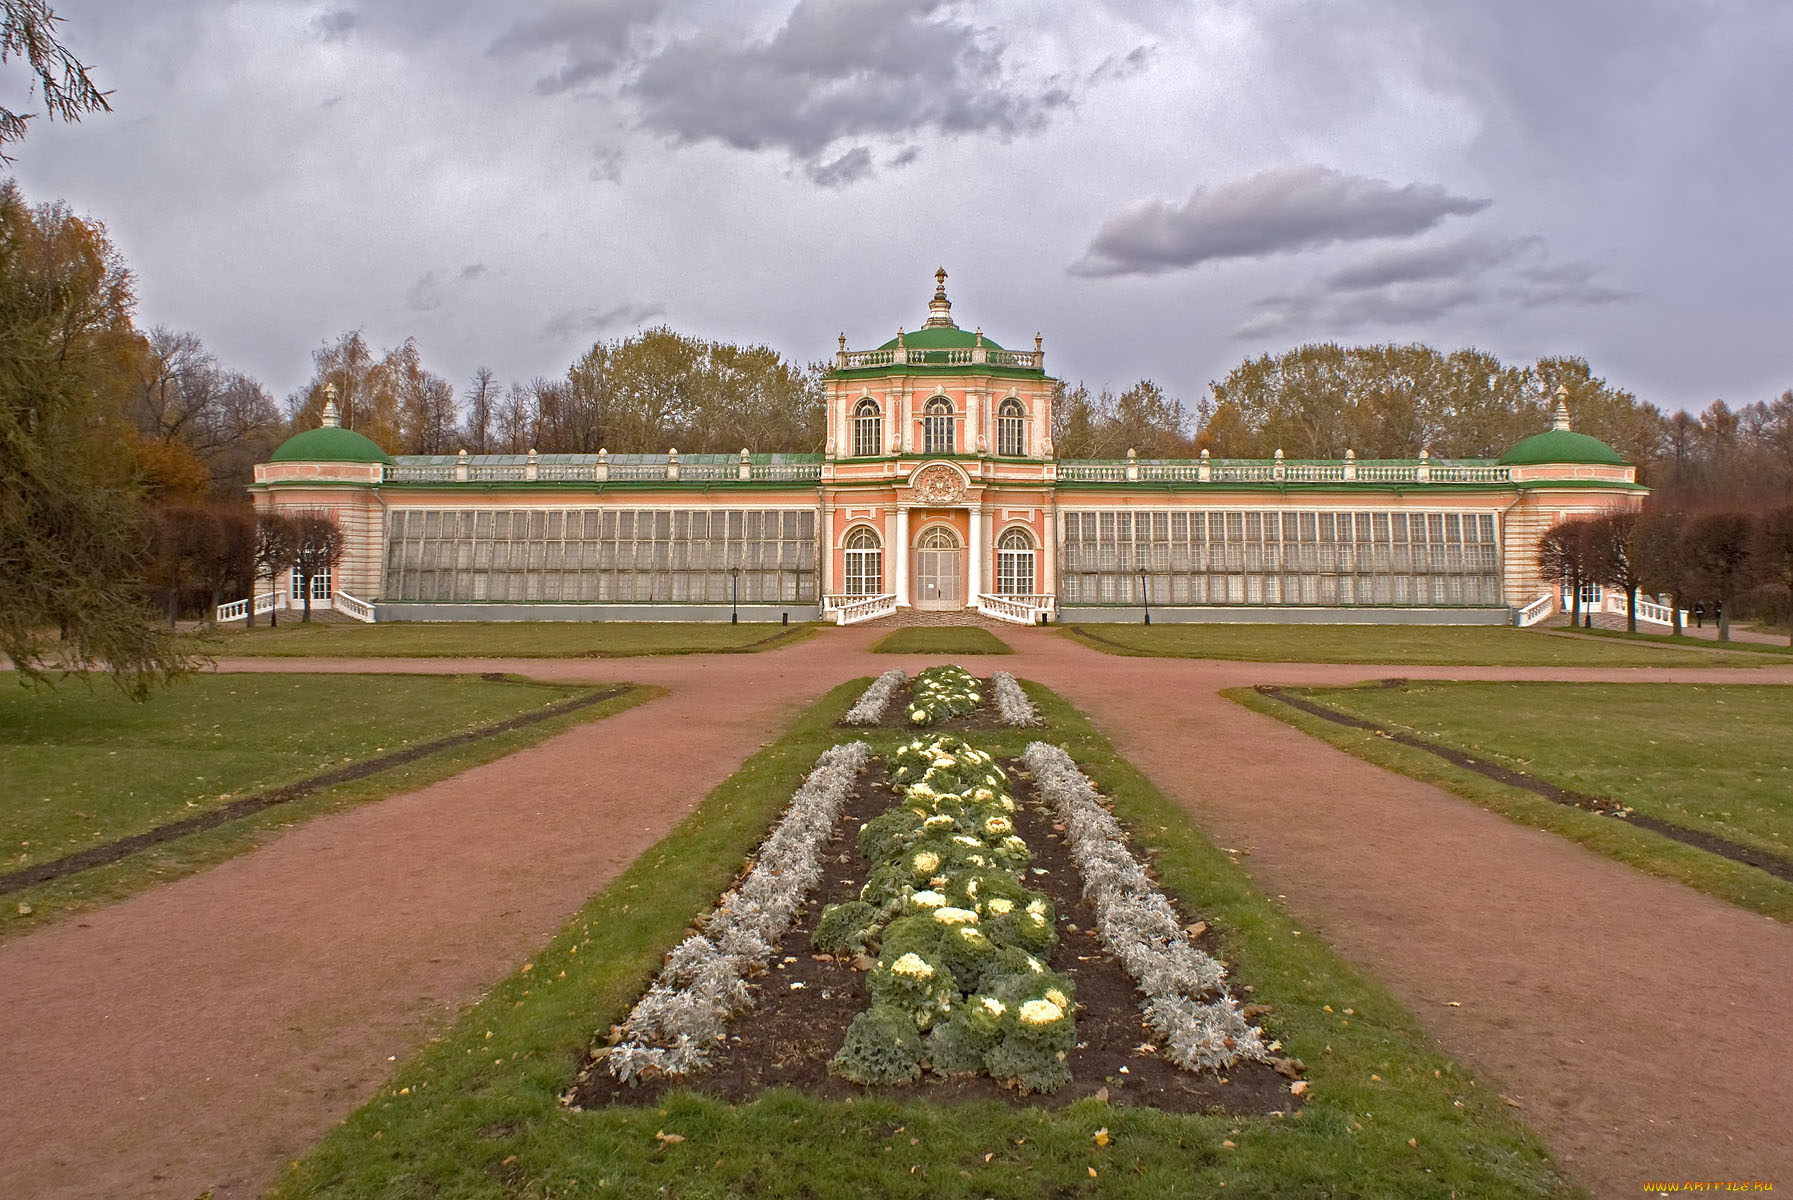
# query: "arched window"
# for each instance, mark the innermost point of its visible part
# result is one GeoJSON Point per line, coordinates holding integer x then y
{"type": "Point", "coordinates": [1011, 437]}
{"type": "Point", "coordinates": [865, 563]}
{"type": "Point", "coordinates": [868, 429]}
{"type": "Point", "coordinates": [1014, 564]}
{"type": "Point", "coordinates": [938, 538]}
{"type": "Point", "coordinates": [937, 426]}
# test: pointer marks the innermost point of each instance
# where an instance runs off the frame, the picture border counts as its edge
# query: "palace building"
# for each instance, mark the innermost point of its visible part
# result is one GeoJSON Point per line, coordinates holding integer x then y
{"type": "Point", "coordinates": [937, 488]}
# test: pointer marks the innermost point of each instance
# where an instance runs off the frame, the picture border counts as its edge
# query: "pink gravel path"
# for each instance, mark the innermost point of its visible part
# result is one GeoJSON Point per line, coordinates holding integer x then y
{"type": "Point", "coordinates": [203, 1034]}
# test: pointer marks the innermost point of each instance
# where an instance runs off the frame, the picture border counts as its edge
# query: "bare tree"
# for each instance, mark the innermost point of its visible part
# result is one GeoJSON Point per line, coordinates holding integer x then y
{"type": "Point", "coordinates": [1662, 567]}
{"type": "Point", "coordinates": [1565, 552]}
{"type": "Point", "coordinates": [1774, 554]}
{"type": "Point", "coordinates": [1717, 548]}
{"type": "Point", "coordinates": [317, 547]}
{"type": "Point", "coordinates": [483, 401]}
{"type": "Point", "coordinates": [1614, 559]}
{"type": "Point", "coordinates": [275, 539]}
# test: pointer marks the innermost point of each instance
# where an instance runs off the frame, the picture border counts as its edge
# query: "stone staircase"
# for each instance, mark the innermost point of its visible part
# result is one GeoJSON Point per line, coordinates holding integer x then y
{"type": "Point", "coordinates": [906, 617]}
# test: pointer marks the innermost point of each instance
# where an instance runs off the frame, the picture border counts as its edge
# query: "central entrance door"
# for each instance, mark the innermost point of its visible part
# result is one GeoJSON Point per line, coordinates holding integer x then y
{"type": "Point", "coordinates": [937, 570]}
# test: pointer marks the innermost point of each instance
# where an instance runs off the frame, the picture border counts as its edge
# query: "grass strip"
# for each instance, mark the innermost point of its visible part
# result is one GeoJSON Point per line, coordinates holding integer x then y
{"type": "Point", "coordinates": [104, 766]}
{"type": "Point", "coordinates": [941, 639]}
{"type": "Point", "coordinates": [502, 639]}
{"type": "Point", "coordinates": [1624, 841]}
{"type": "Point", "coordinates": [1669, 639]}
{"type": "Point", "coordinates": [1414, 645]}
{"type": "Point", "coordinates": [478, 1112]}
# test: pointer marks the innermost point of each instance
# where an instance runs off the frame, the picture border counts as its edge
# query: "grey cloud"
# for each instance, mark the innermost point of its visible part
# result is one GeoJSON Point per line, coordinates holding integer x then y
{"type": "Point", "coordinates": [594, 39]}
{"type": "Point", "coordinates": [1414, 285]}
{"type": "Point", "coordinates": [334, 26]}
{"type": "Point", "coordinates": [424, 295]}
{"type": "Point", "coordinates": [575, 322]}
{"type": "Point", "coordinates": [854, 165]}
{"type": "Point", "coordinates": [473, 271]}
{"type": "Point", "coordinates": [607, 165]}
{"type": "Point", "coordinates": [904, 157]}
{"type": "Point", "coordinates": [1115, 67]}
{"type": "Point", "coordinates": [1279, 211]}
{"type": "Point", "coordinates": [854, 68]}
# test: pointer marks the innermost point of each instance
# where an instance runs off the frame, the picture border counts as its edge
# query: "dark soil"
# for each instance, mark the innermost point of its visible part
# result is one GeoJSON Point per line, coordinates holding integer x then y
{"type": "Point", "coordinates": [236, 810]}
{"type": "Point", "coordinates": [896, 715]}
{"type": "Point", "coordinates": [789, 1035]}
{"type": "Point", "coordinates": [1604, 806]}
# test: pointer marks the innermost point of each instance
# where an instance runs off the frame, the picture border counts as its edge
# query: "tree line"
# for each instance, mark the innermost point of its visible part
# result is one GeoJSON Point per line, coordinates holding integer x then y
{"type": "Point", "coordinates": [1727, 562]}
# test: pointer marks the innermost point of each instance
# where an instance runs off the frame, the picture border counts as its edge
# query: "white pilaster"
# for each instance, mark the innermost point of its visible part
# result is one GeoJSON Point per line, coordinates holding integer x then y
{"type": "Point", "coordinates": [902, 557]}
{"type": "Point", "coordinates": [975, 572]}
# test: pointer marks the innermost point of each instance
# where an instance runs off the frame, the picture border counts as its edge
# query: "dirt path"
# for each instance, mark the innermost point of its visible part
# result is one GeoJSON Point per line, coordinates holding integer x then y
{"type": "Point", "coordinates": [203, 1034]}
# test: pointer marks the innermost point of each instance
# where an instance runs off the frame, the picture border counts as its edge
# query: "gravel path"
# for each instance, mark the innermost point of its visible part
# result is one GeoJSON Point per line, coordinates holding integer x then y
{"type": "Point", "coordinates": [205, 1033]}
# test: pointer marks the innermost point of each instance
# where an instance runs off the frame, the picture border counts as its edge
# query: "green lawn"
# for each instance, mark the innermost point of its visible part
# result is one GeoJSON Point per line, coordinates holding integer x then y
{"type": "Point", "coordinates": [82, 766]}
{"type": "Point", "coordinates": [1441, 645]}
{"type": "Point", "coordinates": [941, 639]}
{"type": "Point", "coordinates": [501, 639]}
{"type": "Point", "coordinates": [1669, 639]}
{"type": "Point", "coordinates": [1715, 758]}
{"type": "Point", "coordinates": [477, 1113]}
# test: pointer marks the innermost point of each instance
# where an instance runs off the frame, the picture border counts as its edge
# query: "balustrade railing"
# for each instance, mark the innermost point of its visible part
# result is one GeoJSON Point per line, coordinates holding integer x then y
{"type": "Point", "coordinates": [850, 610]}
{"type": "Point", "coordinates": [351, 606]}
{"type": "Point", "coordinates": [1016, 610]}
{"type": "Point", "coordinates": [1538, 610]}
{"type": "Point", "coordinates": [238, 610]}
{"type": "Point", "coordinates": [656, 471]}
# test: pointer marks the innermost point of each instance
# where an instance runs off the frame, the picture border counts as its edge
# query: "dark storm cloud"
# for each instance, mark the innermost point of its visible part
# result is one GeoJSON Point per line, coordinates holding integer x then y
{"type": "Point", "coordinates": [854, 165]}
{"type": "Point", "coordinates": [590, 322]}
{"type": "Point", "coordinates": [593, 38]}
{"type": "Point", "coordinates": [1413, 285]}
{"type": "Point", "coordinates": [1279, 211]}
{"type": "Point", "coordinates": [835, 70]}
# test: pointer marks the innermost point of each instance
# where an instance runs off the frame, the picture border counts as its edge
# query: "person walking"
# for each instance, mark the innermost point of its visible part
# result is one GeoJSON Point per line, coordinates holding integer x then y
{"type": "Point", "coordinates": [1699, 614]}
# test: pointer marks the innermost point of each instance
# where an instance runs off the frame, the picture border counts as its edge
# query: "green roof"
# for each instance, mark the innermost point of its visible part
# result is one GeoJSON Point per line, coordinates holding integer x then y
{"type": "Point", "coordinates": [1561, 446]}
{"type": "Point", "coordinates": [329, 444]}
{"type": "Point", "coordinates": [940, 337]}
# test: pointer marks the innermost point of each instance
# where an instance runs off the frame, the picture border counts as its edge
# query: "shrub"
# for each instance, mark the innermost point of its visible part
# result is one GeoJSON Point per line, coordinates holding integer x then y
{"type": "Point", "coordinates": [882, 1046]}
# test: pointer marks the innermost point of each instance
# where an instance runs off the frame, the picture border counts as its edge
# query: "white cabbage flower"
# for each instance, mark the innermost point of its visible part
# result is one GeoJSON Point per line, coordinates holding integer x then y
{"type": "Point", "coordinates": [913, 966]}
{"type": "Point", "coordinates": [1041, 1012]}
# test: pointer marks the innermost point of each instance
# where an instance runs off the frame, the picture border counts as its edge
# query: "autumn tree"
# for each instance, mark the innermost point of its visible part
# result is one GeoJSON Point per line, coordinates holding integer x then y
{"type": "Point", "coordinates": [1104, 425]}
{"type": "Point", "coordinates": [28, 32]}
{"type": "Point", "coordinates": [73, 536]}
{"type": "Point", "coordinates": [1565, 552]}
{"type": "Point", "coordinates": [188, 408]}
{"type": "Point", "coordinates": [1774, 556]}
{"type": "Point", "coordinates": [1717, 549]}
{"type": "Point", "coordinates": [1661, 562]}
{"type": "Point", "coordinates": [317, 547]}
{"type": "Point", "coordinates": [1614, 559]}
{"type": "Point", "coordinates": [274, 549]}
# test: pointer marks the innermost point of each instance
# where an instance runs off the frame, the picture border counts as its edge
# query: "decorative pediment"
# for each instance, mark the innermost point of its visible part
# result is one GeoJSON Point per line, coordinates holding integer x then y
{"type": "Point", "coordinates": [939, 483]}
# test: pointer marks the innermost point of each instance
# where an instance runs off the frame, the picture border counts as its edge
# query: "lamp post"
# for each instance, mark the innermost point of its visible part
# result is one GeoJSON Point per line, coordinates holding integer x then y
{"type": "Point", "coordinates": [1145, 595]}
{"type": "Point", "coordinates": [734, 616]}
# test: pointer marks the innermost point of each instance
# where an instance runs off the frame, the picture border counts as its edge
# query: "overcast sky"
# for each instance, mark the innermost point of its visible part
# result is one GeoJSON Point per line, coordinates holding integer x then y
{"type": "Point", "coordinates": [1162, 189]}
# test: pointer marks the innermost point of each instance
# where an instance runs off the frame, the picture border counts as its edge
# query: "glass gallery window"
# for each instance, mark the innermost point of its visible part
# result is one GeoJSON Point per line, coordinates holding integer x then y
{"type": "Point", "coordinates": [865, 563]}
{"type": "Point", "coordinates": [937, 426]}
{"type": "Point", "coordinates": [868, 429]}
{"type": "Point", "coordinates": [1014, 564]}
{"type": "Point", "coordinates": [1010, 429]}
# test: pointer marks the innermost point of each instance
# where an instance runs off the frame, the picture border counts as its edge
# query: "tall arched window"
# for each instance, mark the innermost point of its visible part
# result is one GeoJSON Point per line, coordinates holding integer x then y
{"type": "Point", "coordinates": [1011, 437]}
{"type": "Point", "coordinates": [937, 426]}
{"type": "Point", "coordinates": [1014, 564]}
{"type": "Point", "coordinates": [868, 429]}
{"type": "Point", "coordinates": [865, 563]}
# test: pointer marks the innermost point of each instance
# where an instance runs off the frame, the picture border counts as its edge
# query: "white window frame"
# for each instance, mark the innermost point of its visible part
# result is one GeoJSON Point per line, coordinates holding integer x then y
{"type": "Point", "coordinates": [937, 426]}
{"type": "Point", "coordinates": [1011, 429]}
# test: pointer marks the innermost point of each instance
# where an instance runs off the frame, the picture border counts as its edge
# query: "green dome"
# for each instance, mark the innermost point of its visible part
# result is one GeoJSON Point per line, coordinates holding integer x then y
{"type": "Point", "coordinates": [1561, 446]}
{"type": "Point", "coordinates": [329, 444]}
{"type": "Point", "coordinates": [940, 337]}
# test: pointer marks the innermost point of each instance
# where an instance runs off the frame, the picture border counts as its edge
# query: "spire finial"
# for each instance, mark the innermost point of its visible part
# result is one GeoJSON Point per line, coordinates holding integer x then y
{"type": "Point", "coordinates": [940, 309]}
{"type": "Point", "coordinates": [1560, 418]}
{"type": "Point", "coordinates": [331, 418]}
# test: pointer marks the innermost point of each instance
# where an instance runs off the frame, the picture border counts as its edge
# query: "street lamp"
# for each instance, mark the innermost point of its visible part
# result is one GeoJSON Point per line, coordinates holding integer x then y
{"type": "Point", "coordinates": [734, 616]}
{"type": "Point", "coordinates": [1145, 595]}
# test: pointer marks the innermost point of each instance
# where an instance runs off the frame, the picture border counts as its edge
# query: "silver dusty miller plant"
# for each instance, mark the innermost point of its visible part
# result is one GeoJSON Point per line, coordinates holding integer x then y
{"type": "Point", "coordinates": [871, 705]}
{"type": "Point", "coordinates": [1012, 704]}
{"type": "Point", "coordinates": [1185, 987]}
{"type": "Point", "coordinates": [674, 1027]}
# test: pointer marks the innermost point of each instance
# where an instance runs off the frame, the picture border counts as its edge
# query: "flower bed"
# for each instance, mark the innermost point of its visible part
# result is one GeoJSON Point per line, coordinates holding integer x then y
{"type": "Point", "coordinates": [941, 693]}
{"type": "Point", "coordinates": [869, 709]}
{"type": "Point", "coordinates": [677, 1025]}
{"type": "Point", "coordinates": [1186, 996]}
{"type": "Point", "coordinates": [957, 983]}
{"type": "Point", "coordinates": [1012, 704]}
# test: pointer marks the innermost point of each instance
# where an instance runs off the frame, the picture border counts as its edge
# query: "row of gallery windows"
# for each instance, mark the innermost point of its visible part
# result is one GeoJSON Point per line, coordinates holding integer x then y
{"type": "Point", "coordinates": [1015, 559]}
{"type": "Point", "coordinates": [938, 422]}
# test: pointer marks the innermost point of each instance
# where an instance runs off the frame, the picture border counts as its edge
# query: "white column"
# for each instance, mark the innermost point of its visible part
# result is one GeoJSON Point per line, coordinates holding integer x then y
{"type": "Point", "coordinates": [902, 557]}
{"type": "Point", "coordinates": [825, 566]}
{"type": "Point", "coordinates": [975, 574]}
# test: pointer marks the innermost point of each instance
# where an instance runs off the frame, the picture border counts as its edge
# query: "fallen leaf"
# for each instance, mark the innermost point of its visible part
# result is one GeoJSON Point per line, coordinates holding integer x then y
{"type": "Point", "coordinates": [1197, 929]}
{"type": "Point", "coordinates": [24, 909]}
{"type": "Point", "coordinates": [1509, 1101]}
{"type": "Point", "coordinates": [1092, 1172]}
{"type": "Point", "coordinates": [1100, 1137]}
{"type": "Point", "coordinates": [1102, 1095]}
{"type": "Point", "coordinates": [1414, 1142]}
{"type": "Point", "coordinates": [1453, 1004]}
{"type": "Point", "coordinates": [990, 1156]}
{"type": "Point", "coordinates": [668, 1139]}
{"type": "Point", "coordinates": [1228, 1144]}
{"type": "Point", "coordinates": [1298, 1088]}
